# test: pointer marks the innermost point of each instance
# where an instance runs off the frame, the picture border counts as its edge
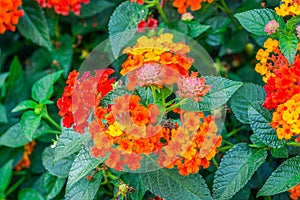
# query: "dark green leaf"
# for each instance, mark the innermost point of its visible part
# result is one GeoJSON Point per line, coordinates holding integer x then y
{"type": "Point", "coordinates": [255, 20]}
{"type": "Point", "coordinates": [5, 175]}
{"type": "Point", "coordinates": [24, 105]}
{"type": "Point", "coordinates": [221, 90]}
{"type": "Point", "coordinates": [123, 23]}
{"type": "Point", "coordinates": [59, 168]}
{"type": "Point", "coordinates": [29, 123]}
{"type": "Point", "coordinates": [196, 29]}
{"type": "Point", "coordinates": [3, 115]}
{"type": "Point", "coordinates": [29, 193]}
{"type": "Point", "coordinates": [69, 142]}
{"type": "Point", "coordinates": [13, 137]}
{"type": "Point", "coordinates": [285, 177]}
{"type": "Point", "coordinates": [170, 185]}
{"type": "Point", "coordinates": [260, 119]}
{"type": "Point", "coordinates": [83, 164]}
{"type": "Point", "coordinates": [43, 88]}
{"type": "Point", "coordinates": [95, 7]}
{"type": "Point", "coordinates": [280, 152]}
{"type": "Point", "coordinates": [33, 25]}
{"type": "Point", "coordinates": [85, 189]}
{"type": "Point", "coordinates": [134, 180]}
{"type": "Point", "coordinates": [63, 54]}
{"type": "Point", "coordinates": [53, 185]}
{"type": "Point", "coordinates": [240, 102]}
{"type": "Point", "coordinates": [288, 45]}
{"type": "Point", "coordinates": [236, 169]}
{"type": "Point", "coordinates": [3, 77]}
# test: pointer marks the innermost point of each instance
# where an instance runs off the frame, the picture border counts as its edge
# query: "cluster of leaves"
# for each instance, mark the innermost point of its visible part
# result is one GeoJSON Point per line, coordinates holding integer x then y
{"type": "Point", "coordinates": [37, 58]}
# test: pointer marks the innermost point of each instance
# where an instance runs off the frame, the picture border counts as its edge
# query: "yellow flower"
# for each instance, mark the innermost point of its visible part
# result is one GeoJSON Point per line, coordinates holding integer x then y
{"type": "Point", "coordinates": [115, 130]}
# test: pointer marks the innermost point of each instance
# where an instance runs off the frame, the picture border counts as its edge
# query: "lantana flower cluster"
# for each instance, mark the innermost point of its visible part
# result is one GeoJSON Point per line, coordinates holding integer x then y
{"type": "Point", "coordinates": [183, 5]}
{"type": "Point", "coordinates": [63, 7]}
{"type": "Point", "coordinates": [288, 7]}
{"type": "Point", "coordinates": [295, 192]}
{"type": "Point", "coordinates": [142, 117]}
{"type": "Point", "coordinates": [282, 88]}
{"type": "Point", "coordinates": [9, 14]}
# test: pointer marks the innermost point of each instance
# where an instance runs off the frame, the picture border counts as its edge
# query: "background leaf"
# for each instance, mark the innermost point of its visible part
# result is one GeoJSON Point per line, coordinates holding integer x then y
{"type": "Point", "coordinates": [123, 23]}
{"type": "Point", "coordinates": [33, 25]}
{"type": "Point", "coordinates": [235, 170]}
{"type": "Point", "coordinates": [6, 175]}
{"type": "Point", "coordinates": [260, 119]}
{"type": "Point", "coordinates": [240, 102]}
{"type": "Point", "coordinates": [29, 193]}
{"type": "Point", "coordinates": [286, 176]}
{"type": "Point", "coordinates": [29, 123]}
{"type": "Point", "coordinates": [170, 185]}
{"type": "Point", "coordinates": [53, 185]}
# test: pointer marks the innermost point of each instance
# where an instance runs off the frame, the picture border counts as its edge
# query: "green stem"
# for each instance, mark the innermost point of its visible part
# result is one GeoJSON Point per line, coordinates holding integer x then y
{"type": "Point", "coordinates": [161, 12]}
{"type": "Point", "coordinates": [16, 185]}
{"type": "Point", "coordinates": [233, 132]}
{"type": "Point", "coordinates": [294, 144]}
{"type": "Point", "coordinates": [153, 93]}
{"type": "Point", "coordinates": [176, 105]}
{"type": "Point", "coordinates": [215, 163]}
{"type": "Point", "coordinates": [51, 121]}
{"type": "Point", "coordinates": [225, 9]}
{"type": "Point", "coordinates": [224, 149]}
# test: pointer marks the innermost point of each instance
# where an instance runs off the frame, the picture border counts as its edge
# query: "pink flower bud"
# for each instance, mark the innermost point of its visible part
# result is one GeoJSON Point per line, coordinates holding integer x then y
{"type": "Point", "coordinates": [271, 27]}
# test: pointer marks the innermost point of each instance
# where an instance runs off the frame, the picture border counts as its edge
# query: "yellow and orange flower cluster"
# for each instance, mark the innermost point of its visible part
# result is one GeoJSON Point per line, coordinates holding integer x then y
{"type": "Point", "coordinates": [286, 119]}
{"type": "Point", "coordinates": [182, 5]}
{"type": "Point", "coordinates": [295, 192]}
{"type": "Point", "coordinates": [63, 7]}
{"type": "Point", "coordinates": [9, 14]}
{"type": "Point", "coordinates": [271, 58]}
{"type": "Point", "coordinates": [288, 7]}
{"type": "Point", "coordinates": [160, 50]}
{"type": "Point", "coordinates": [25, 161]}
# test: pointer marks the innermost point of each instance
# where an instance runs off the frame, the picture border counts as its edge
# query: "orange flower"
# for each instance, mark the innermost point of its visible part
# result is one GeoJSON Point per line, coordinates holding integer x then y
{"type": "Point", "coordinates": [182, 5]}
{"type": "Point", "coordinates": [9, 14]}
{"type": "Point", "coordinates": [63, 7]}
{"type": "Point", "coordinates": [25, 161]}
{"type": "Point", "coordinates": [295, 192]}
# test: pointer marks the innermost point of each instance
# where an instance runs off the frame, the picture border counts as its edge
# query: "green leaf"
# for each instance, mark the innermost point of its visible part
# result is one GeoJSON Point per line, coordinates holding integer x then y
{"type": "Point", "coordinates": [280, 152]}
{"type": "Point", "coordinates": [235, 170]}
{"type": "Point", "coordinates": [83, 164]}
{"type": "Point", "coordinates": [29, 123]}
{"type": "Point", "coordinates": [134, 180]}
{"type": "Point", "coordinates": [53, 185]}
{"type": "Point", "coordinates": [3, 77]}
{"type": "Point", "coordinates": [244, 98]}
{"type": "Point", "coordinates": [123, 23]}
{"type": "Point", "coordinates": [59, 168]}
{"type": "Point", "coordinates": [288, 45]}
{"type": "Point", "coordinates": [29, 193]}
{"type": "Point", "coordinates": [170, 185]}
{"type": "Point", "coordinates": [24, 105]}
{"type": "Point", "coordinates": [85, 189]}
{"type": "Point", "coordinates": [255, 20]}
{"type": "Point", "coordinates": [63, 54]}
{"type": "Point", "coordinates": [95, 7]}
{"type": "Point", "coordinates": [260, 119]}
{"type": "Point", "coordinates": [3, 115]}
{"type": "Point", "coordinates": [6, 175]}
{"type": "Point", "coordinates": [33, 25]}
{"type": "Point", "coordinates": [43, 88]}
{"type": "Point", "coordinates": [69, 142]}
{"type": "Point", "coordinates": [13, 137]}
{"type": "Point", "coordinates": [292, 22]}
{"type": "Point", "coordinates": [221, 90]}
{"type": "Point", "coordinates": [285, 177]}
{"type": "Point", "coordinates": [16, 84]}
{"type": "Point", "coordinates": [196, 29]}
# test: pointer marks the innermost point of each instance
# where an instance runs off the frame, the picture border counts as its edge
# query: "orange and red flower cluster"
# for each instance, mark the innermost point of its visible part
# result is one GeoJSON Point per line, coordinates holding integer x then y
{"type": "Point", "coordinates": [63, 7]}
{"type": "Point", "coordinates": [282, 86]}
{"type": "Point", "coordinates": [25, 161]}
{"type": "Point", "coordinates": [295, 192]}
{"type": "Point", "coordinates": [9, 14]}
{"type": "Point", "coordinates": [182, 5]}
{"type": "Point", "coordinates": [81, 95]}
